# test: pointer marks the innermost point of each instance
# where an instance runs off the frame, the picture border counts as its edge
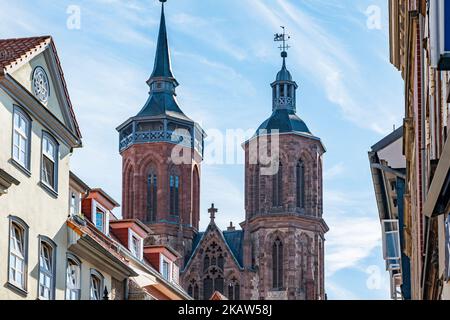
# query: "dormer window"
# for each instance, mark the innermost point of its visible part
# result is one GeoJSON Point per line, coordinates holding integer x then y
{"type": "Point", "coordinates": [100, 220]}
{"type": "Point", "coordinates": [136, 244]}
{"type": "Point", "coordinates": [74, 202]}
{"type": "Point", "coordinates": [163, 259]}
{"type": "Point", "coordinates": [165, 269]}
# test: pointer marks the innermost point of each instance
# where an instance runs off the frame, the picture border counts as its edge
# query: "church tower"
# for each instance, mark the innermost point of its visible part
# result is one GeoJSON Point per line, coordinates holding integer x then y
{"type": "Point", "coordinates": [284, 229]}
{"type": "Point", "coordinates": [162, 150]}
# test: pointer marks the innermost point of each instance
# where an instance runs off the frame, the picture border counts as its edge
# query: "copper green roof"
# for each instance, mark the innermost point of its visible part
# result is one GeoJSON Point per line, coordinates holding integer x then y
{"type": "Point", "coordinates": [285, 121]}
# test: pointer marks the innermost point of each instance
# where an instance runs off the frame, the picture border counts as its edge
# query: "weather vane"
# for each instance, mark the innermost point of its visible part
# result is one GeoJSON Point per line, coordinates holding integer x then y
{"type": "Point", "coordinates": [283, 37]}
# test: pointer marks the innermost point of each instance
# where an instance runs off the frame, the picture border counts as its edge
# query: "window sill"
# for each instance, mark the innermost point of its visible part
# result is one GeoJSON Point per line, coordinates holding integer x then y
{"type": "Point", "coordinates": [21, 168]}
{"type": "Point", "coordinates": [17, 289]}
{"type": "Point", "coordinates": [48, 189]}
{"type": "Point", "coordinates": [278, 290]}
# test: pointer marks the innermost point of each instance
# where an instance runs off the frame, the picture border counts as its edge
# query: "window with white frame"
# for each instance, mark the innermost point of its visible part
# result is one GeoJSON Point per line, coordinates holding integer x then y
{"type": "Point", "coordinates": [73, 278]}
{"type": "Point", "coordinates": [96, 285]}
{"type": "Point", "coordinates": [99, 219]}
{"type": "Point", "coordinates": [46, 269]}
{"type": "Point", "coordinates": [74, 202]}
{"type": "Point", "coordinates": [49, 161]}
{"type": "Point", "coordinates": [17, 269]}
{"type": "Point", "coordinates": [447, 248]}
{"type": "Point", "coordinates": [391, 244]}
{"type": "Point", "coordinates": [165, 268]}
{"type": "Point", "coordinates": [21, 138]}
{"type": "Point", "coordinates": [135, 244]}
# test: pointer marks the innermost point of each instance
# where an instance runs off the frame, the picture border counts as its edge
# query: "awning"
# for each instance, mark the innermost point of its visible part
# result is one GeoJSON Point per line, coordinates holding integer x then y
{"type": "Point", "coordinates": [439, 189]}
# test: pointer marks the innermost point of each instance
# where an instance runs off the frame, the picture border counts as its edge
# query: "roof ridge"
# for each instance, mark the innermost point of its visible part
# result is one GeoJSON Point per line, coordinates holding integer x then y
{"type": "Point", "coordinates": [26, 38]}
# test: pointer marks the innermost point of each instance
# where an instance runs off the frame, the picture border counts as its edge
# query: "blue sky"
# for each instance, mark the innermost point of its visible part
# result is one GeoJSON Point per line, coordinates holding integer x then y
{"type": "Point", "coordinates": [224, 58]}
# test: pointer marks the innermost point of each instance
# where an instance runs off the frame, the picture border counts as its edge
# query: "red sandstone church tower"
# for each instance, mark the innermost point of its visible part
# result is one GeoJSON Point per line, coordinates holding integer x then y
{"type": "Point", "coordinates": [162, 150]}
{"type": "Point", "coordinates": [284, 229]}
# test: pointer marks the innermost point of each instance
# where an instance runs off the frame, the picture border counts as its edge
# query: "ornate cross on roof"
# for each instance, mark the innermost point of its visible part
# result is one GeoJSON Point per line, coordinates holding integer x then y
{"type": "Point", "coordinates": [283, 37]}
{"type": "Point", "coordinates": [212, 212]}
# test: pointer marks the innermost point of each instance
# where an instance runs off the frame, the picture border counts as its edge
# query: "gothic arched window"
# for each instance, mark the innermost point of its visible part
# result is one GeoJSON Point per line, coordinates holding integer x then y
{"type": "Point", "coordinates": [300, 184]}
{"type": "Point", "coordinates": [196, 292]}
{"type": "Point", "coordinates": [174, 195]}
{"type": "Point", "coordinates": [277, 187]}
{"type": "Point", "coordinates": [220, 262]}
{"type": "Point", "coordinates": [277, 264]}
{"type": "Point", "coordinates": [193, 289]}
{"type": "Point", "coordinates": [207, 288]}
{"type": "Point", "coordinates": [256, 191]}
{"type": "Point", "coordinates": [196, 198]}
{"type": "Point", "coordinates": [219, 284]}
{"type": "Point", "coordinates": [152, 196]}
{"type": "Point", "coordinates": [206, 263]}
{"type": "Point", "coordinates": [234, 289]}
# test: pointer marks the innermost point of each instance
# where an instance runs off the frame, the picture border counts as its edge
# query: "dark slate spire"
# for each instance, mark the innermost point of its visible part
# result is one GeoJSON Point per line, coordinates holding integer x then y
{"type": "Point", "coordinates": [162, 100]}
{"type": "Point", "coordinates": [162, 66]}
{"type": "Point", "coordinates": [161, 118]}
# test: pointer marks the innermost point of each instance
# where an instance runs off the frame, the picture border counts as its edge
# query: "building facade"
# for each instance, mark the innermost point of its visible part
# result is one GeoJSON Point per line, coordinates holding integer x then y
{"type": "Point", "coordinates": [419, 49]}
{"type": "Point", "coordinates": [388, 167]}
{"type": "Point", "coordinates": [60, 238]}
{"type": "Point", "coordinates": [279, 251]}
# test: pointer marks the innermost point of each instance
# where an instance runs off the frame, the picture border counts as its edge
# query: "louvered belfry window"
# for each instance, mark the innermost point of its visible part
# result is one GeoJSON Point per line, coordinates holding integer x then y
{"type": "Point", "coordinates": [300, 185]}
{"type": "Point", "coordinates": [152, 196]}
{"type": "Point", "coordinates": [277, 187]}
{"type": "Point", "coordinates": [277, 256]}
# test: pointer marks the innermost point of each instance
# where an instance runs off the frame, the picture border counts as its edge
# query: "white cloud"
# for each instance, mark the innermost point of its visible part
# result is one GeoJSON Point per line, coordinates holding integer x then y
{"type": "Point", "coordinates": [330, 65]}
{"type": "Point", "coordinates": [340, 293]}
{"type": "Point", "coordinates": [335, 171]}
{"type": "Point", "coordinates": [208, 32]}
{"type": "Point", "coordinates": [350, 241]}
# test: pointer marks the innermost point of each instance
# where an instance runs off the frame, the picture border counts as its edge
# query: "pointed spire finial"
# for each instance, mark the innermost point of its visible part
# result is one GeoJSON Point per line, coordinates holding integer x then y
{"type": "Point", "coordinates": [163, 65]}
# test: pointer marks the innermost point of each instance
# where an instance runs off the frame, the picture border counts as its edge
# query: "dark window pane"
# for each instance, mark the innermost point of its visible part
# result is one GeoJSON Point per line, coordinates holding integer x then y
{"type": "Point", "coordinates": [277, 268]}
{"type": "Point", "coordinates": [300, 175]}
{"type": "Point", "coordinates": [218, 284]}
{"type": "Point", "coordinates": [206, 263]}
{"type": "Point", "coordinates": [207, 288]}
{"type": "Point", "coordinates": [220, 262]}
{"type": "Point", "coordinates": [196, 292]}
{"type": "Point", "coordinates": [48, 171]}
{"type": "Point", "coordinates": [231, 292]}
{"type": "Point", "coordinates": [237, 293]}
{"type": "Point", "coordinates": [152, 193]}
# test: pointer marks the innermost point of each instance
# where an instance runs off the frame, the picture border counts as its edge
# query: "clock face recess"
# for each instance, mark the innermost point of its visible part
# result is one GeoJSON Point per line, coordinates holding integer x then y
{"type": "Point", "coordinates": [41, 85]}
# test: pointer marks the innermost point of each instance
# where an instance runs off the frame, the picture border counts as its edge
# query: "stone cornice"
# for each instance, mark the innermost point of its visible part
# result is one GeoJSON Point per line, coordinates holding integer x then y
{"type": "Point", "coordinates": [268, 220]}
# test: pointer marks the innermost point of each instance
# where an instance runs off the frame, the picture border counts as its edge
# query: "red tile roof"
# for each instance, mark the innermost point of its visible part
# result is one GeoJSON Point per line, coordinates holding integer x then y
{"type": "Point", "coordinates": [14, 51]}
